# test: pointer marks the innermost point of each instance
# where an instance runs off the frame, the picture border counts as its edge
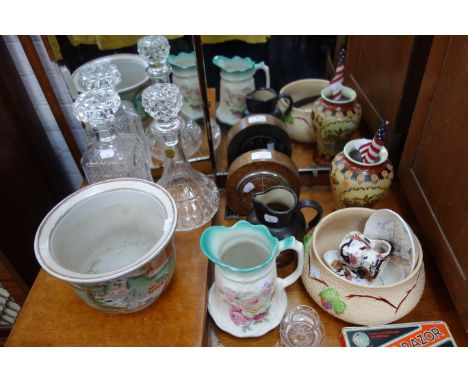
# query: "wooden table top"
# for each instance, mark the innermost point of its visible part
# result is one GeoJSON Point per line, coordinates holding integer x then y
{"type": "Point", "coordinates": [53, 315]}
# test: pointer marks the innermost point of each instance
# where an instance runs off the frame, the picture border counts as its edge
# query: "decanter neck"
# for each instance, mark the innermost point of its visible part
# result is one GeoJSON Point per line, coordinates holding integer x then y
{"type": "Point", "coordinates": [159, 73]}
{"type": "Point", "coordinates": [169, 129]}
{"type": "Point", "coordinates": [101, 133]}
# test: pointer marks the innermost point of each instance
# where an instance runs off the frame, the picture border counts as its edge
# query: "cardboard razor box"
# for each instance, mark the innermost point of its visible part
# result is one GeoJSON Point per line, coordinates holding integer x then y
{"type": "Point", "coordinates": [429, 333]}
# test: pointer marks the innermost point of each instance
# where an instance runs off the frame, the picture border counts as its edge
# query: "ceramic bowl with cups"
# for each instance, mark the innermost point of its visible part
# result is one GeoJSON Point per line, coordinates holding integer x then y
{"type": "Point", "coordinates": [392, 295]}
{"type": "Point", "coordinates": [112, 243]}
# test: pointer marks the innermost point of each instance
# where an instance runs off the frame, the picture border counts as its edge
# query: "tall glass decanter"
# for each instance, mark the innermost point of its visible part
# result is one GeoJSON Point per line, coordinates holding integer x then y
{"type": "Point", "coordinates": [155, 50]}
{"type": "Point", "coordinates": [109, 155]}
{"type": "Point", "coordinates": [104, 75]}
{"type": "Point", "coordinates": [195, 194]}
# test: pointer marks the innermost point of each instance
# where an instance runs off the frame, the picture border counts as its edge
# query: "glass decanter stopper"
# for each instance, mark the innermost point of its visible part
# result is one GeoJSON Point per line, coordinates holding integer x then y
{"type": "Point", "coordinates": [104, 75]}
{"type": "Point", "coordinates": [195, 194]}
{"type": "Point", "coordinates": [108, 155]}
{"type": "Point", "coordinates": [155, 50]}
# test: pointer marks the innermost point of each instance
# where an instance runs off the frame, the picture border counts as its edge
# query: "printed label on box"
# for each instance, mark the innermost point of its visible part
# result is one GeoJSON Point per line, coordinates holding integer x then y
{"type": "Point", "coordinates": [417, 334]}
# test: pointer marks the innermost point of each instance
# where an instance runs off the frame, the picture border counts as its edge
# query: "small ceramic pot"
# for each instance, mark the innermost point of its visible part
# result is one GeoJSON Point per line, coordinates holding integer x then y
{"type": "Point", "coordinates": [334, 122]}
{"type": "Point", "coordinates": [351, 302]}
{"type": "Point", "coordinates": [299, 121]}
{"type": "Point", "coordinates": [357, 184]}
{"type": "Point", "coordinates": [112, 243]}
{"type": "Point", "coordinates": [363, 254]}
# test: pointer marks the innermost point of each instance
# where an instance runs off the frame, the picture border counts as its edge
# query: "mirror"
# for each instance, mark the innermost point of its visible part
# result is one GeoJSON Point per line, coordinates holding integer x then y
{"type": "Point", "coordinates": [294, 66]}
{"type": "Point", "coordinates": [298, 66]}
{"type": "Point", "coordinates": [122, 51]}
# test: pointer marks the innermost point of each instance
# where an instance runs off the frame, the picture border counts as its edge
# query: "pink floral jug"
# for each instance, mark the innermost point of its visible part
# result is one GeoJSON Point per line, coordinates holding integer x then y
{"type": "Point", "coordinates": [247, 298]}
{"type": "Point", "coordinates": [237, 80]}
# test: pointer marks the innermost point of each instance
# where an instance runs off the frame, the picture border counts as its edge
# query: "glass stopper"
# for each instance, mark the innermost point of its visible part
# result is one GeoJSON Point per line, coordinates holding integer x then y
{"type": "Point", "coordinates": [301, 327]}
{"type": "Point", "coordinates": [96, 106]}
{"type": "Point", "coordinates": [100, 75]}
{"type": "Point", "coordinates": [162, 101]}
{"type": "Point", "coordinates": [154, 49]}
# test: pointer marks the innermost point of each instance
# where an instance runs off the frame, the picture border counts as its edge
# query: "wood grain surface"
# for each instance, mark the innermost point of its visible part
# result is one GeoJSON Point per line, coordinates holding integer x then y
{"type": "Point", "coordinates": [435, 162]}
{"type": "Point", "coordinates": [435, 303]}
{"type": "Point", "coordinates": [53, 315]}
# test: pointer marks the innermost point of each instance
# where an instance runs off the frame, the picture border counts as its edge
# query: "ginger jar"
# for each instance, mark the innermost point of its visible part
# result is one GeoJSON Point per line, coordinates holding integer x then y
{"type": "Point", "coordinates": [334, 122]}
{"type": "Point", "coordinates": [357, 184]}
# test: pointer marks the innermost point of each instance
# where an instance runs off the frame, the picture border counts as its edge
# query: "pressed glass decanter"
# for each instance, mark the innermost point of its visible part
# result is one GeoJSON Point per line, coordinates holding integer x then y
{"type": "Point", "coordinates": [195, 194]}
{"type": "Point", "coordinates": [155, 50]}
{"type": "Point", "coordinates": [104, 75]}
{"type": "Point", "coordinates": [108, 155]}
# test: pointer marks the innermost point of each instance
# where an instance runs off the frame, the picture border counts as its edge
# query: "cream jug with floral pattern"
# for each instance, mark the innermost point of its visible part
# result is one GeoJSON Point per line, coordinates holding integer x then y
{"type": "Point", "coordinates": [237, 80]}
{"type": "Point", "coordinates": [247, 298]}
{"type": "Point", "coordinates": [185, 77]}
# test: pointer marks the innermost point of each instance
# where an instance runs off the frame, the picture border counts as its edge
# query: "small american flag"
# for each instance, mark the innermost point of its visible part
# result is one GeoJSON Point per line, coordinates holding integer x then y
{"type": "Point", "coordinates": [336, 84]}
{"type": "Point", "coordinates": [370, 150]}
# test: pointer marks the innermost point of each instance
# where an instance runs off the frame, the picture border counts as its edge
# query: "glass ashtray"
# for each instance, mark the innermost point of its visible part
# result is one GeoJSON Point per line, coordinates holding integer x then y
{"type": "Point", "coordinates": [301, 327]}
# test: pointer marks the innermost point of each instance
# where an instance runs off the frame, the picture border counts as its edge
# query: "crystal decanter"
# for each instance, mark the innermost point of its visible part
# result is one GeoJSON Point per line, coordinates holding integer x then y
{"type": "Point", "coordinates": [155, 50]}
{"type": "Point", "coordinates": [195, 194]}
{"type": "Point", "coordinates": [109, 155]}
{"type": "Point", "coordinates": [104, 75]}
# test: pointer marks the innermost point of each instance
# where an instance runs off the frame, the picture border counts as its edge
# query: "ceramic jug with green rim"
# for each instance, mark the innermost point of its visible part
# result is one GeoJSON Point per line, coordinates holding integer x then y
{"type": "Point", "coordinates": [237, 80]}
{"type": "Point", "coordinates": [247, 298]}
{"type": "Point", "coordinates": [185, 77]}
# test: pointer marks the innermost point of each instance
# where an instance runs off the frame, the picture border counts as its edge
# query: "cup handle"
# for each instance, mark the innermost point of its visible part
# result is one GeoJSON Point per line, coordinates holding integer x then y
{"type": "Point", "coordinates": [289, 101]}
{"type": "Point", "coordinates": [266, 69]}
{"type": "Point", "coordinates": [291, 243]}
{"type": "Point", "coordinates": [314, 205]}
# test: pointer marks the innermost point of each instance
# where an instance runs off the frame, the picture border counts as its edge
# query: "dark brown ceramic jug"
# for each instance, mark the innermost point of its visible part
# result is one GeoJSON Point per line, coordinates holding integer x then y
{"type": "Point", "coordinates": [279, 210]}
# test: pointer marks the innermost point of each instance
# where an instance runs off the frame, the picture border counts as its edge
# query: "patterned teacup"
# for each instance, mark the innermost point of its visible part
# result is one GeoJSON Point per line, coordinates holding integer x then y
{"type": "Point", "coordinates": [363, 254]}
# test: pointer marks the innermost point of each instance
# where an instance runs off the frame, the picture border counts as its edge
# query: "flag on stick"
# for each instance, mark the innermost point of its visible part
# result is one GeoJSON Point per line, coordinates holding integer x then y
{"type": "Point", "coordinates": [336, 84]}
{"type": "Point", "coordinates": [370, 150]}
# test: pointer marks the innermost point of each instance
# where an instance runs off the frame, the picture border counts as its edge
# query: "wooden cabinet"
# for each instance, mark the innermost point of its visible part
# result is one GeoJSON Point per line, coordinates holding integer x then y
{"type": "Point", "coordinates": [386, 73]}
{"type": "Point", "coordinates": [435, 163]}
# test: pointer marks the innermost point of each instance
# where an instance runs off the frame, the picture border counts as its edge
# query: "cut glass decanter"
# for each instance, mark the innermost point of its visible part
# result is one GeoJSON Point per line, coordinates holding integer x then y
{"type": "Point", "coordinates": [104, 75]}
{"type": "Point", "coordinates": [195, 194]}
{"type": "Point", "coordinates": [155, 50]}
{"type": "Point", "coordinates": [109, 155]}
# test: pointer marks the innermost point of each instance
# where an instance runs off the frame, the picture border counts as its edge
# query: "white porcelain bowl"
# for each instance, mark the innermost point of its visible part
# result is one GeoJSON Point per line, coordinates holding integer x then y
{"type": "Point", "coordinates": [351, 302]}
{"type": "Point", "coordinates": [132, 69]}
{"type": "Point", "coordinates": [112, 242]}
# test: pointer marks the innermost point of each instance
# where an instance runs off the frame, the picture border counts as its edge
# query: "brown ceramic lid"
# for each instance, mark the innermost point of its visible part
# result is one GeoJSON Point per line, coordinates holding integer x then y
{"type": "Point", "coordinates": [255, 171]}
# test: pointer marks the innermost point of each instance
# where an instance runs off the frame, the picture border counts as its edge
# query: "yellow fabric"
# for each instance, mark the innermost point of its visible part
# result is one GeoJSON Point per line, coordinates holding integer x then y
{"type": "Point", "coordinates": [248, 39]}
{"type": "Point", "coordinates": [107, 42]}
{"type": "Point", "coordinates": [54, 45]}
